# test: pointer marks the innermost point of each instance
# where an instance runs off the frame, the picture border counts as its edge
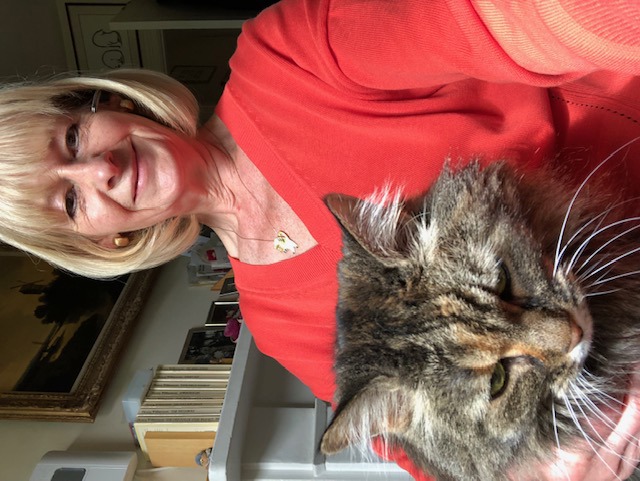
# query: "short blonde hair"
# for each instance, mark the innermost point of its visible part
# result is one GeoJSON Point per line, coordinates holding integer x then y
{"type": "Point", "coordinates": [27, 115]}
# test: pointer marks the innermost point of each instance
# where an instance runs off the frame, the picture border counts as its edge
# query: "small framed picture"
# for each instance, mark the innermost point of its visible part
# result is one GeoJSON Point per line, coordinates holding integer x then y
{"type": "Point", "coordinates": [207, 345]}
{"type": "Point", "coordinates": [228, 288]}
{"type": "Point", "coordinates": [221, 312]}
{"type": "Point", "coordinates": [90, 44]}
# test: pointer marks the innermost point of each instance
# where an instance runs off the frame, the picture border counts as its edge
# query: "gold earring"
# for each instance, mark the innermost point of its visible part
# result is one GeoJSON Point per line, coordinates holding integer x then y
{"type": "Point", "coordinates": [121, 241]}
{"type": "Point", "coordinates": [127, 105]}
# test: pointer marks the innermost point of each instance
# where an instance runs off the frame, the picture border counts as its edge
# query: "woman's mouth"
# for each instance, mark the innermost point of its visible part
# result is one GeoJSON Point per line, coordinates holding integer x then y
{"type": "Point", "coordinates": [135, 175]}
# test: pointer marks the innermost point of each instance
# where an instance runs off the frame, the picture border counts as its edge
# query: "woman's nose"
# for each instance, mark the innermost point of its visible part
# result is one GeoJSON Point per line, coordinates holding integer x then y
{"type": "Point", "coordinates": [99, 171]}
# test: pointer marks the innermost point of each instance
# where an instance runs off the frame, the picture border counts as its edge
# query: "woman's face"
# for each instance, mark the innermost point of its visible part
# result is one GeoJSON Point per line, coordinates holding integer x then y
{"type": "Point", "coordinates": [114, 172]}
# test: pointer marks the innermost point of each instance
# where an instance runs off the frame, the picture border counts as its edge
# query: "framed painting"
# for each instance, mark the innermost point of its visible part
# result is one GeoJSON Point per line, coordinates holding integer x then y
{"type": "Point", "coordinates": [62, 335]}
{"type": "Point", "coordinates": [90, 44]}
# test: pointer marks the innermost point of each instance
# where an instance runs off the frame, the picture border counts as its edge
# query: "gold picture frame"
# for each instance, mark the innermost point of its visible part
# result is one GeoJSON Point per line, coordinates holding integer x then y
{"type": "Point", "coordinates": [110, 323]}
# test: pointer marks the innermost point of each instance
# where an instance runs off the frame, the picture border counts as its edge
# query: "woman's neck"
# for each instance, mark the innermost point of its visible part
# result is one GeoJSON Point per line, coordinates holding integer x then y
{"type": "Point", "coordinates": [239, 204]}
{"type": "Point", "coordinates": [245, 211]}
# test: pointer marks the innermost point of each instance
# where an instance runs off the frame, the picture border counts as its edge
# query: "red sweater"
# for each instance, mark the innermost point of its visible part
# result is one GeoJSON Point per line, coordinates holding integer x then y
{"type": "Point", "coordinates": [347, 95]}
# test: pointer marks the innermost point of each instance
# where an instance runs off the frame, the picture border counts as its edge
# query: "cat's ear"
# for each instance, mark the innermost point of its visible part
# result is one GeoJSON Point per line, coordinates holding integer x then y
{"type": "Point", "coordinates": [345, 209]}
{"type": "Point", "coordinates": [374, 223]}
{"type": "Point", "coordinates": [383, 407]}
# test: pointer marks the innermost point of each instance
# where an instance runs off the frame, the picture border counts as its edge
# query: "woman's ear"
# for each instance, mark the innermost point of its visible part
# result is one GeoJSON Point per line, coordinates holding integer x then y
{"type": "Point", "coordinates": [114, 242]}
{"type": "Point", "coordinates": [118, 103]}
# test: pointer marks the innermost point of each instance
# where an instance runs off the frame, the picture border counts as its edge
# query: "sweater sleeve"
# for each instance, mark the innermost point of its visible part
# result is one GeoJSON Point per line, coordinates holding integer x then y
{"type": "Point", "coordinates": [409, 44]}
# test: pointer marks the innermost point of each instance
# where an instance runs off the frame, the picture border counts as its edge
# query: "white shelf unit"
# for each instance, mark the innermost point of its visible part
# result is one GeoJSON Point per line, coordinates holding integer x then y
{"type": "Point", "coordinates": [271, 425]}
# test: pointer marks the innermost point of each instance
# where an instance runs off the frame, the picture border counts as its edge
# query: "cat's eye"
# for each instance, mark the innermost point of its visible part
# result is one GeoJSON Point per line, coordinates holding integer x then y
{"type": "Point", "coordinates": [503, 286]}
{"type": "Point", "coordinates": [498, 380]}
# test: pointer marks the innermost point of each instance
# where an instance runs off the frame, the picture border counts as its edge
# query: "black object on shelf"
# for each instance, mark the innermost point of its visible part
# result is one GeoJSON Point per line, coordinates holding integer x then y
{"type": "Point", "coordinates": [254, 5]}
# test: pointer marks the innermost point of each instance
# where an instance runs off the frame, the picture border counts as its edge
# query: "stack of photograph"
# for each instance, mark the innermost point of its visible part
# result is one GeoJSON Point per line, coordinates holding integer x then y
{"type": "Point", "coordinates": [179, 415]}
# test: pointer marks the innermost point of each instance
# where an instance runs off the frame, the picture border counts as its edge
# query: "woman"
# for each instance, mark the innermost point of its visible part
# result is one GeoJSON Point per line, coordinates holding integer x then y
{"type": "Point", "coordinates": [324, 96]}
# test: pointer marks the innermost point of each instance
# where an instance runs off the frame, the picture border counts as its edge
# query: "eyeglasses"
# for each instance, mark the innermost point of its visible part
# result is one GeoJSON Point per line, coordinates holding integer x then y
{"type": "Point", "coordinates": [95, 101]}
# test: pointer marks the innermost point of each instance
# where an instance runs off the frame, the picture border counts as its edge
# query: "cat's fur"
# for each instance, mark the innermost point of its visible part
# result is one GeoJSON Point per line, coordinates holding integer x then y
{"type": "Point", "coordinates": [426, 314]}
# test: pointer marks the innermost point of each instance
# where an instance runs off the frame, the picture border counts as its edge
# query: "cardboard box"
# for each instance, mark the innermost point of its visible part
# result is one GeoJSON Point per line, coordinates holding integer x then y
{"type": "Point", "coordinates": [177, 449]}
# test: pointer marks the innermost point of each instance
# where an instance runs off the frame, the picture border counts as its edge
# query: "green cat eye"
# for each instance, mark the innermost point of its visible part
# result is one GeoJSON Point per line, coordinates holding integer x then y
{"type": "Point", "coordinates": [498, 380]}
{"type": "Point", "coordinates": [503, 286]}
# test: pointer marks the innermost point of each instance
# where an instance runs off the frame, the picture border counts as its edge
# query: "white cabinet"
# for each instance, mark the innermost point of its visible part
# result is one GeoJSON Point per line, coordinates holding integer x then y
{"type": "Point", "coordinates": [271, 426]}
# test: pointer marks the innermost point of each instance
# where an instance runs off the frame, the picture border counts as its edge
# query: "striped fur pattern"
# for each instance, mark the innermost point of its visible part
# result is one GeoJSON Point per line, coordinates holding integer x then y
{"type": "Point", "coordinates": [485, 324]}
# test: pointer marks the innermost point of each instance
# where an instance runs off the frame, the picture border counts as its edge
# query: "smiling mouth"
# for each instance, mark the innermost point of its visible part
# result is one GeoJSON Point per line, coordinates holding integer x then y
{"type": "Point", "coordinates": [134, 174]}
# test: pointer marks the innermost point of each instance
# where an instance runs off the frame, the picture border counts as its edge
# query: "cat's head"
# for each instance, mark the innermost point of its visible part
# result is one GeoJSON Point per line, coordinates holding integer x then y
{"type": "Point", "coordinates": [456, 331]}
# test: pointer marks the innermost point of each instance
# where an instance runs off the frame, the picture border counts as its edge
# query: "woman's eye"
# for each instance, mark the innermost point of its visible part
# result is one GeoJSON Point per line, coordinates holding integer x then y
{"type": "Point", "coordinates": [503, 286]}
{"type": "Point", "coordinates": [71, 202]}
{"type": "Point", "coordinates": [72, 139]}
{"type": "Point", "coordinates": [498, 380]}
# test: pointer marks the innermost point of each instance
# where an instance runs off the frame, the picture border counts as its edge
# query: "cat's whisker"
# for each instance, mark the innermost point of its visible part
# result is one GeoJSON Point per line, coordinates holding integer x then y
{"type": "Point", "coordinates": [590, 292]}
{"type": "Point", "coordinates": [579, 231]}
{"type": "Point", "coordinates": [594, 394]}
{"type": "Point", "coordinates": [587, 438]}
{"type": "Point", "coordinates": [606, 244]}
{"type": "Point", "coordinates": [600, 217]}
{"type": "Point", "coordinates": [590, 400]}
{"type": "Point", "coordinates": [609, 259]}
{"type": "Point", "coordinates": [555, 424]}
{"type": "Point", "coordinates": [601, 260]}
{"type": "Point", "coordinates": [601, 293]}
{"type": "Point", "coordinates": [588, 390]}
{"type": "Point", "coordinates": [629, 437]}
{"type": "Point", "coordinates": [597, 412]}
{"type": "Point", "coordinates": [576, 421]}
{"type": "Point", "coordinates": [575, 196]}
{"type": "Point", "coordinates": [602, 394]}
{"type": "Point", "coordinates": [597, 230]}
{"type": "Point", "coordinates": [559, 463]}
{"type": "Point", "coordinates": [603, 443]}
{"type": "Point", "coordinates": [590, 378]}
{"type": "Point", "coordinates": [610, 263]}
{"type": "Point", "coordinates": [601, 276]}
{"type": "Point", "coordinates": [613, 278]}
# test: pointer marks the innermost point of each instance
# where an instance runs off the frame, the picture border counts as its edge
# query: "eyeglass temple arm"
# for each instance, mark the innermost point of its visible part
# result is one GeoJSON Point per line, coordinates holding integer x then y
{"type": "Point", "coordinates": [95, 100]}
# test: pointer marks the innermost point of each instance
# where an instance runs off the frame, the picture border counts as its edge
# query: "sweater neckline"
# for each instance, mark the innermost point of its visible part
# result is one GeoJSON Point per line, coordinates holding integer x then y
{"type": "Point", "coordinates": [301, 269]}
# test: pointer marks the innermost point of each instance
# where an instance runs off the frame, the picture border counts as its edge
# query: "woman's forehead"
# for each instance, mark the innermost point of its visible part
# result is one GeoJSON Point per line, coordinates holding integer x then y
{"type": "Point", "coordinates": [33, 136]}
{"type": "Point", "coordinates": [26, 165]}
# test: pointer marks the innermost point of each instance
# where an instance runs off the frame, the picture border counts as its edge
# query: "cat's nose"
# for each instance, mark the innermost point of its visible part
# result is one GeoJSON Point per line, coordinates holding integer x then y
{"type": "Point", "coordinates": [576, 333]}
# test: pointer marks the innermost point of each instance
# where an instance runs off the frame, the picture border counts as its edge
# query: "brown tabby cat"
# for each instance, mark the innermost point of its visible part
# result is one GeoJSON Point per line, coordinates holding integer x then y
{"type": "Point", "coordinates": [486, 323]}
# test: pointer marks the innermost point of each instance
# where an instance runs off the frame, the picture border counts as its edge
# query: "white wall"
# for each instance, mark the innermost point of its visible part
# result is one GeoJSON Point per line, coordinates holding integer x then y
{"type": "Point", "coordinates": [30, 39]}
{"type": "Point", "coordinates": [172, 309]}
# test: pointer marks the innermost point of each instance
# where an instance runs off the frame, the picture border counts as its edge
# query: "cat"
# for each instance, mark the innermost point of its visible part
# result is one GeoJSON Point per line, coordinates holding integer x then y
{"type": "Point", "coordinates": [486, 323]}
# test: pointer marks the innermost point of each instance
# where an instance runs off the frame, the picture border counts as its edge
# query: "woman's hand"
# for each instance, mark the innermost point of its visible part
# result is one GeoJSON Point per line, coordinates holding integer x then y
{"type": "Point", "coordinates": [614, 461]}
